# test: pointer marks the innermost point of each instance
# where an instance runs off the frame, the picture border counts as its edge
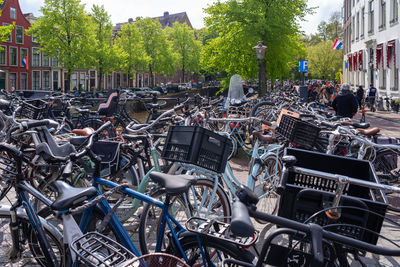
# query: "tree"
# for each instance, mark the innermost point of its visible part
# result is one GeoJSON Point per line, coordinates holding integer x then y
{"type": "Point", "coordinates": [323, 61]}
{"type": "Point", "coordinates": [157, 46]}
{"type": "Point", "coordinates": [5, 31]}
{"type": "Point", "coordinates": [64, 32]}
{"type": "Point", "coordinates": [104, 54]}
{"type": "Point", "coordinates": [240, 24]}
{"type": "Point", "coordinates": [130, 50]}
{"type": "Point", "coordinates": [186, 47]}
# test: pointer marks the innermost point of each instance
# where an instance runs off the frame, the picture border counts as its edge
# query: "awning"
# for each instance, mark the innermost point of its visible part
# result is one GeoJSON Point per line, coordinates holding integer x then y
{"type": "Point", "coordinates": [360, 59]}
{"type": "Point", "coordinates": [350, 62]}
{"type": "Point", "coordinates": [355, 65]}
{"type": "Point", "coordinates": [379, 55]}
{"type": "Point", "coordinates": [391, 52]}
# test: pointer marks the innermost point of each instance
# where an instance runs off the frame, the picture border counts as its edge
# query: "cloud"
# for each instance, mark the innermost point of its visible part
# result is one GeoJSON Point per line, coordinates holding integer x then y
{"type": "Point", "coordinates": [322, 13]}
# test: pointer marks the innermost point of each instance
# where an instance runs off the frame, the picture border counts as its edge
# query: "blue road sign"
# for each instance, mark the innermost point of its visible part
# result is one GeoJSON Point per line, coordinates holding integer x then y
{"type": "Point", "coordinates": [303, 66]}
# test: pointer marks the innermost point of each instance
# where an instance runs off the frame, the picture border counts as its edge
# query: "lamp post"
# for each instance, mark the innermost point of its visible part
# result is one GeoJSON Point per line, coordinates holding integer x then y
{"type": "Point", "coordinates": [259, 50]}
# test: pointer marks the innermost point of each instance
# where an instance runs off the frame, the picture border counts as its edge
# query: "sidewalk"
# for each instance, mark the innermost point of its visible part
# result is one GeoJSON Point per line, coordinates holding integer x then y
{"type": "Point", "coordinates": [386, 115]}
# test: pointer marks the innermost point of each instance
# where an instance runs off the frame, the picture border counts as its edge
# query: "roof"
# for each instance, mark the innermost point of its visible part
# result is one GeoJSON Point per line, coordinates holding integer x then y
{"type": "Point", "coordinates": [166, 20]}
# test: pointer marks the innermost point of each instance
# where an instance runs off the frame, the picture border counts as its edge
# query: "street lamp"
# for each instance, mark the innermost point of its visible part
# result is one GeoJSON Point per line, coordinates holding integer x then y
{"type": "Point", "coordinates": [259, 50]}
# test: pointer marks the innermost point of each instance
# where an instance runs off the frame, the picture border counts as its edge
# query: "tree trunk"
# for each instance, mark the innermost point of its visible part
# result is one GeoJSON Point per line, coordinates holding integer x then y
{"type": "Point", "coordinates": [101, 79]}
{"type": "Point", "coordinates": [67, 85]}
{"type": "Point", "coordinates": [183, 74]}
{"type": "Point", "coordinates": [151, 77]}
{"type": "Point", "coordinates": [263, 78]}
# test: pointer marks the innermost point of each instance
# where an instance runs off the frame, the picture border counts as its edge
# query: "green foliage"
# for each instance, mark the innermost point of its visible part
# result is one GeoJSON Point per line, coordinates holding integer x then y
{"type": "Point", "coordinates": [326, 30]}
{"type": "Point", "coordinates": [338, 75]}
{"type": "Point", "coordinates": [130, 49]}
{"type": "Point", "coordinates": [64, 32]}
{"type": "Point", "coordinates": [103, 52]}
{"type": "Point", "coordinates": [186, 47]}
{"type": "Point", "coordinates": [323, 61]}
{"type": "Point", "coordinates": [157, 46]}
{"type": "Point", "coordinates": [240, 24]}
{"type": "Point", "coordinates": [5, 31]}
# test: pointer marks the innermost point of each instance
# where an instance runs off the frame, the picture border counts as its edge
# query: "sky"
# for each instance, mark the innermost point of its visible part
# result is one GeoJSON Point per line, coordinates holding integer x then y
{"type": "Point", "coordinates": [122, 10]}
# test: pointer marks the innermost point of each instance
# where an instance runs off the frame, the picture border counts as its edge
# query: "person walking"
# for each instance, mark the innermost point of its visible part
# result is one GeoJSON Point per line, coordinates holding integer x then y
{"type": "Point", "coordinates": [345, 103]}
{"type": "Point", "coordinates": [360, 95]}
{"type": "Point", "coordinates": [372, 95]}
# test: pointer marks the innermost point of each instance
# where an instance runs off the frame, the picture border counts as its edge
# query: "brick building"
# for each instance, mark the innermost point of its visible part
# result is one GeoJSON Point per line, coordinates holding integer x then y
{"type": "Point", "coordinates": [12, 71]}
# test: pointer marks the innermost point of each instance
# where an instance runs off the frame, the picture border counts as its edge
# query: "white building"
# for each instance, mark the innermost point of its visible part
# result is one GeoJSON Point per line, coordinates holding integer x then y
{"type": "Point", "coordinates": [371, 44]}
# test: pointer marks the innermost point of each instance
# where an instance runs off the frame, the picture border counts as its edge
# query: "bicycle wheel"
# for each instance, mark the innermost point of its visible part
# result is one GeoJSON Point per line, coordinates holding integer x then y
{"type": "Point", "coordinates": [214, 249]}
{"type": "Point", "coordinates": [31, 253]}
{"type": "Point", "coordinates": [267, 180]}
{"type": "Point", "coordinates": [196, 202]}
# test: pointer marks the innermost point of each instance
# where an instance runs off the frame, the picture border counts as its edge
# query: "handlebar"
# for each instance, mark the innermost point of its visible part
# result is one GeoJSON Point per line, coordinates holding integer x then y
{"type": "Point", "coordinates": [166, 113]}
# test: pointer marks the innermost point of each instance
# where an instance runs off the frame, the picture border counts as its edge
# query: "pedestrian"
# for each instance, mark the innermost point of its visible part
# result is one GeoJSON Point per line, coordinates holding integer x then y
{"type": "Point", "coordinates": [360, 96]}
{"type": "Point", "coordinates": [345, 103]}
{"type": "Point", "coordinates": [372, 95]}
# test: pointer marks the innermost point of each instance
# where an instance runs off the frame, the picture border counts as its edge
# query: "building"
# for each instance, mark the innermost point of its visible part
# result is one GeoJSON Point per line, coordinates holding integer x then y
{"type": "Point", "coordinates": [12, 70]}
{"type": "Point", "coordinates": [371, 44]}
{"type": "Point", "coordinates": [143, 79]}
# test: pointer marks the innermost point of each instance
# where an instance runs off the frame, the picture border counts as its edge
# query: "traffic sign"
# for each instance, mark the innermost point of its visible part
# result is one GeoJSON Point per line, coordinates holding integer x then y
{"type": "Point", "coordinates": [303, 66]}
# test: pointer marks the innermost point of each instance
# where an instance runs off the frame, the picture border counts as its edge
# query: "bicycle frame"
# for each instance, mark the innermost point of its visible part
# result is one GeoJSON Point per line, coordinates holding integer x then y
{"type": "Point", "coordinates": [119, 230]}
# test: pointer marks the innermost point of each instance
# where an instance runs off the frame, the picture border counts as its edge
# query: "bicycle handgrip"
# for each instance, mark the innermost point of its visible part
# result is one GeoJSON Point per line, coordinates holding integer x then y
{"type": "Point", "coordinates": [241, 224]}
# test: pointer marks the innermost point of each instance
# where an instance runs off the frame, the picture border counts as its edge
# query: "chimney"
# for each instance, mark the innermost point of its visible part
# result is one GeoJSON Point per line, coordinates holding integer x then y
{"type": "Point", "coordinates": [166, 14]}
{"type": "Point", "coordinates": [130, 20]}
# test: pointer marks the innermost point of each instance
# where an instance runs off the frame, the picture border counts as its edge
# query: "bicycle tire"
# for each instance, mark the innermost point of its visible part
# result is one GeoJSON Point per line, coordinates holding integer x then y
{"type": "Point", "coordinates": [34, 251]}
{"type": "Point", "coordinates": [215, 248]}
{"type": "Point", "coordinates": [151, 214]}
{"type": "Point", "coordinates": [269, 203]}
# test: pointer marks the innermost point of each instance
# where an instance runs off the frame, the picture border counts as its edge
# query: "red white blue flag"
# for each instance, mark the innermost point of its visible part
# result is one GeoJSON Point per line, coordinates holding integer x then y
{"type": "Point", "coordinates": [25, 63]}
{"type": "Point", "coordinates": [337, 44]}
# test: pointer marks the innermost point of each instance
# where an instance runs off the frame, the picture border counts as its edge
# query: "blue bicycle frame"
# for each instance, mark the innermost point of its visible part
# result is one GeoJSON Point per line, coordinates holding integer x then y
{"type": "Point", "coordinates": [119, 230]}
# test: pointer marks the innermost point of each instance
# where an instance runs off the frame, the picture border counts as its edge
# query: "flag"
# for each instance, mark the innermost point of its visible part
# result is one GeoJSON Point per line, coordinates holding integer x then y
{"type": "Point", "coordinates": [25, 63]}
{"type": "Point", "coordinates": [337, 44]}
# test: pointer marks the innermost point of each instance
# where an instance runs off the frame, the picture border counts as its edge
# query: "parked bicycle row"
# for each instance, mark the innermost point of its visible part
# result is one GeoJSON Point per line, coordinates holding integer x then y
{"type": "Point", "coordinates": [101, 188]}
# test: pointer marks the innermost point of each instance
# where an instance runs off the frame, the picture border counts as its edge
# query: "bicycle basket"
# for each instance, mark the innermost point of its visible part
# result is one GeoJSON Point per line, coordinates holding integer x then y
{"type": "Point", "coordinates": [297, 204]}
{"type": "Point", "coordinates": [95, 249]}
{"type": "Point", "coordinates": [109, 154]}
{"type": "Point", "coordinates": [301, 133]}
{"type": "Point", "coordinates": [34, 109]}
{"type": "Point", "coordinates": [155, 260]}
{"type": "Point", "coordinates": [197, 146]}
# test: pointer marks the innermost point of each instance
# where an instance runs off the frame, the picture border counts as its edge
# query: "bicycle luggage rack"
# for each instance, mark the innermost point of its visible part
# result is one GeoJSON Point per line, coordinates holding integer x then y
{"type": "Point", "coordinates": [220, 230]}
{"type": "Point", "coordinates": [320, 182]}
{"type": "Point", "coordinates": [34, 109]}
{"type": "Point", "coordinates": [97, 250]}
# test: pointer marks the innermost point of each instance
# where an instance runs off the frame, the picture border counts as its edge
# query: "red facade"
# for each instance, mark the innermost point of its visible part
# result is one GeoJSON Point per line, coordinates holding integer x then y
{"type": "Point", "coordinates": [14, 74]}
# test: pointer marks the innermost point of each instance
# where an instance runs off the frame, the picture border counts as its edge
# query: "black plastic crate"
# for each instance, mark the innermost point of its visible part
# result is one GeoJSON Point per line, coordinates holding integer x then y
{"type": "Point", "coordinates": [198, 146]}
{"type": "Point", "coordinates": [34, 109]}
{"type": "Point", "coordinates": [301, 133]}
{"type": "Point", "coordinates": [297, 207]}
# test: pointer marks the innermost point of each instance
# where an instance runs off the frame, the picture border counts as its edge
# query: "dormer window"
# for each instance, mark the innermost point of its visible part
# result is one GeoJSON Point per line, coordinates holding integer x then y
{"type": "Point", "coordinates": [13, 13]}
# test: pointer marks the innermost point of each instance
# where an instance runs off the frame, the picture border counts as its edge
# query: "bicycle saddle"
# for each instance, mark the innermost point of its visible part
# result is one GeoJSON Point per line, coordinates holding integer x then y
{"type": "Point", "coordinates": [263, 138]}
{"type": "Point", "coordinates": [369, 132]}
{"type": "Point", "coordinates": [69, 196]}
{"type": "Point", "coordinates": [364, 125]}
{"type": "Point", "coordinates": [173, 184]}
{"type": "Point", "coordinates": [83, 132]}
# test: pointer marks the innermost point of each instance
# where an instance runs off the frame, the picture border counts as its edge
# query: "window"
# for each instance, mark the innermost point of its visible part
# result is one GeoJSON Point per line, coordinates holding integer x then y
{"type": "Point", "coordinates": [35, 57]}
{"type": "Point", "coordinates": [24, 80]}
{"type": "Point", "coordinates": [353, 32]}
{"type": "Point", "coordinates": [54, 62]}
{"type": "Point", "coordinates": [13, 13]}
{"type": "Point", "coordinates": [82, 81]}
{"type": "Point", "coordinates": [3, 53]}
{"type": "Point", "coordinates": [24, 54]}
{"type": "Point", "coordinates": [394, 14]}
{"type": "Point", "coordinates": [362, 22]}
{"type": "Point", "coordinates": [19, 35]}
{"type": "Point", "coordinates": [74, 81]}
{"type": "Point", "coordinates": [13, 56]}
{"type": "Point", "coordinates": [9, 37]}
{"type": "Point", "coordinates": [35, 80]}
{"type": "Point", "coordinates": [55, 80]}
{"type": "Point", "coordinates": [371, 17]}
{"type": "Point", "coordinates": [45, 60]}
{"type": "Point", "coordinates": [13, 80]}
{"type": "Point", "coordinates": [358, 25]}
{"type": "Point", "coordinates": [46, 80]}
{"type": "Point", "coordinates": [382, 14]}
{"type": "Point", "coordinates": [396, 79]}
